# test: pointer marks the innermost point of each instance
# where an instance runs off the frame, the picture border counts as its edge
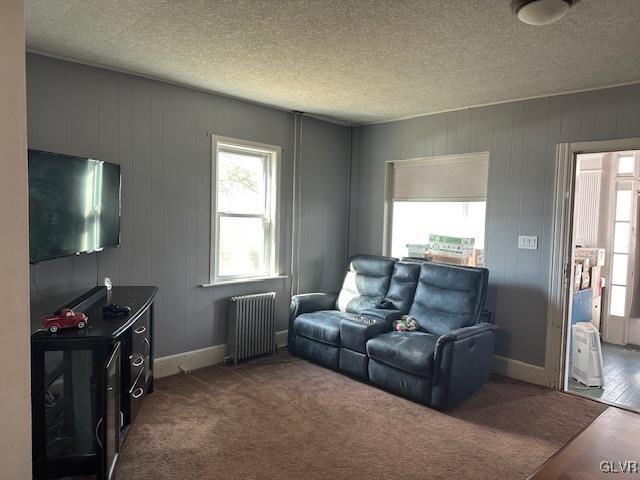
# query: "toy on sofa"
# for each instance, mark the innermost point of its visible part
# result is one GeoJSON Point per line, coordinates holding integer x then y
{"type": "Point", "coordinates": [405, 324]}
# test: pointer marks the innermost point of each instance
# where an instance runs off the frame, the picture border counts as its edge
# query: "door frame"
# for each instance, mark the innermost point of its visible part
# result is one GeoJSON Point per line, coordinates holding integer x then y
{"type": "Point", "coordinates": [562, 250]}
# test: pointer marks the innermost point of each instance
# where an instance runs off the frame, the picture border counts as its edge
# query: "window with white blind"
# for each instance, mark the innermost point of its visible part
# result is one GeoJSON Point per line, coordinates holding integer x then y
{"type": "Point", "coordinates": [244, 210]}
{"type": "Point", "coordinates": [436, 208]}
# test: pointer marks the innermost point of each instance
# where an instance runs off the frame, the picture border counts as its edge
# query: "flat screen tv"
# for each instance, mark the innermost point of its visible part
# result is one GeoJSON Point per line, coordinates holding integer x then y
{"type": "Point", "coordinates": [74, 205]}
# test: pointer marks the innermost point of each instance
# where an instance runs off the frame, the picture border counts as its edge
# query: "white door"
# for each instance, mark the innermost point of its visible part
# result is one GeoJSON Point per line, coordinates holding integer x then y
{"type": "Point", "coordinates": [634, 323]}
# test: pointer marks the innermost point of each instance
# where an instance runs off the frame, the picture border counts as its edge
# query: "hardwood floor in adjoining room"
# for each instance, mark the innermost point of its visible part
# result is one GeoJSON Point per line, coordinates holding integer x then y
{"type": "Point", "coordinates": [621, 377]}
{"type": "Point", "coordinates": [608, 446]}
{"type": "Point", "coordinates": [283, 417]}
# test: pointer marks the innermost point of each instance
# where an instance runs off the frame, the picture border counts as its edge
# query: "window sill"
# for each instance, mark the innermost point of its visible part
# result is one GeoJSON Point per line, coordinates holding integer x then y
{"type": "Point", "coordinates": [243, 280]}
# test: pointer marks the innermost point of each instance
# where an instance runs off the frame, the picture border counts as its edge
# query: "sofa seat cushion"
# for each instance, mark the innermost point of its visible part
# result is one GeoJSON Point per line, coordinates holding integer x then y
{"type": "Point", "coordinates": [322, 326]}
{"type": "Point", "coordinates": [408, 351]}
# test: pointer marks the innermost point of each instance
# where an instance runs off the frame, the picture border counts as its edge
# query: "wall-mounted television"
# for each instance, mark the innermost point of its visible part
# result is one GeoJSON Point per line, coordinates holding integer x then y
{"type": "Point", "coordinates": [74, 205]}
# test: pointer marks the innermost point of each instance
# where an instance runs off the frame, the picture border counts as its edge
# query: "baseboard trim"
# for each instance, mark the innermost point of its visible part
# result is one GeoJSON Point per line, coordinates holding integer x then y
{"type": "Point", "coordinates": [512, 368]}
{"type": "Point", "coordinates": [204, 357]}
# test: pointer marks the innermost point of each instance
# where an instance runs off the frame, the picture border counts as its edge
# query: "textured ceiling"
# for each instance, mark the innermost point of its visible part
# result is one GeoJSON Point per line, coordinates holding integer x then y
{"type": "Point", "coordinates": [359, 61]}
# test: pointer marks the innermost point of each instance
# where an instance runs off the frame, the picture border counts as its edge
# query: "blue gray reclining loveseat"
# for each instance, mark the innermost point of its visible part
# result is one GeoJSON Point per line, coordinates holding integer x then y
{"type": "Point", "coordinates": [440, 364]}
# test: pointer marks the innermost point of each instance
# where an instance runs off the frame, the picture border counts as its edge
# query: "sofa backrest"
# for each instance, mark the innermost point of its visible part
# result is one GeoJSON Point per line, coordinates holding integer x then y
{"type": "Point", "coordinates": [402, 286]}
{"type": "Point", "coordinates": [449, 297]}
{"type": "Point", "coordinates": [366, 283]}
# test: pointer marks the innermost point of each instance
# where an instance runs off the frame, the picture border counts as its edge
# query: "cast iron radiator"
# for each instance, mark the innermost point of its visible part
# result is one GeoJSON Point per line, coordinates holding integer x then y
{"type": "Point", "coordinates": [252, 326]}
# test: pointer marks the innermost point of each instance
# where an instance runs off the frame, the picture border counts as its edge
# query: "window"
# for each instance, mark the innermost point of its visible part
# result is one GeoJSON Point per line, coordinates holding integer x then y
{"type": "Point", "coordinates": [244, 210]}
{"type": "Point", "coordinates": [437, 208]}
{"type": "Point", "coordinates": [417, 224]}
{"type": "Point", "coordinates": [626, 164]}
{"type": "Point", "coordinates": [620, 254]}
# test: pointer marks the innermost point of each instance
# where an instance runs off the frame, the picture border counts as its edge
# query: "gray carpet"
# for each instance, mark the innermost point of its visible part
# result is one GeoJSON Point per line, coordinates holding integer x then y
{"type": "Point", "coordinates": [286, 418]}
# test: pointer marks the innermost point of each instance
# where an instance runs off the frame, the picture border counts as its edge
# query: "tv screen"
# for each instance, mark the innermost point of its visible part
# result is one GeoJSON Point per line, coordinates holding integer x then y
{"type": "Point", "coordinates": [74, 205]}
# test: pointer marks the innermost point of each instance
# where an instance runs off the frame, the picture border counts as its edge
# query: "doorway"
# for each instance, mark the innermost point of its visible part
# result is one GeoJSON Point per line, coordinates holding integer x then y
{"type": "Point", "coordinates": [602, 321]}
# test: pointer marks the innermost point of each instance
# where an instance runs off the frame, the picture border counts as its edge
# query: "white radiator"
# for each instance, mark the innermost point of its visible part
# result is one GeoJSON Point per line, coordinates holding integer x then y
{"type": "Point", "coordinates": [587, 210]}
{"type": "Point", "coordinates": [252, 326]}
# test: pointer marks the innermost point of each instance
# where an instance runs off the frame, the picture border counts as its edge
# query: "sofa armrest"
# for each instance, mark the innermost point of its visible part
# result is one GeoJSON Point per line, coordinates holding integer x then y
{"type": "Point", "coordinates": [464, 332]}
{"type": "Point", "coordinates": [463, 361]}
{"type": "Point", "coordinates": [307, 303]}
{"type": "Point", "coordinates": [382, 314]}
{"type": "Point", "coordinates": [312, 302]}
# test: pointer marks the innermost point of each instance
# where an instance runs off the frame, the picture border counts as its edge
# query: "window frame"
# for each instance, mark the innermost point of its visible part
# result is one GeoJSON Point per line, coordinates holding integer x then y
{"type": "Point", "coordinates": [619, 157]}
{"type": "Point", "coordinates": [622, 182]}
{"type": "Point", "coordinates": [272, 208]}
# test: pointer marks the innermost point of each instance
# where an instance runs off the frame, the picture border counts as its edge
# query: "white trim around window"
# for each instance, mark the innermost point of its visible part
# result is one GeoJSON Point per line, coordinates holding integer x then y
{"type": "Point", "coordinates": [270, 216]}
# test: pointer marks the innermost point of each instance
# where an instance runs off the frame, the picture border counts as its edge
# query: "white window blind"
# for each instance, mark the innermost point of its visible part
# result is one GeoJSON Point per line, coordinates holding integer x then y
{"type": "Point", "coordinates": [436, 179]}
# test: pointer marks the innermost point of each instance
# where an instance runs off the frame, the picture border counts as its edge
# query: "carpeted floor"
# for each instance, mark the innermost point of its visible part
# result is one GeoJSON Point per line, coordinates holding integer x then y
{"type": "Point", "coordinates": [285, 418]}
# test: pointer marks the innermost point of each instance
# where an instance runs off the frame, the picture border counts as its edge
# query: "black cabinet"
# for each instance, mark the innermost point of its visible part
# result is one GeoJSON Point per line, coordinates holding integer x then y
{"type": "Point", "coordinates": [87, 385]}
{"type": "Point", "coordinates": [113, 417]}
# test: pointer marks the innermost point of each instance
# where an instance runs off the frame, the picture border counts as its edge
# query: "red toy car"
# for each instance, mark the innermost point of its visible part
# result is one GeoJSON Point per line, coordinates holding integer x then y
{"type": "Point", "coordinates": [66, 319]}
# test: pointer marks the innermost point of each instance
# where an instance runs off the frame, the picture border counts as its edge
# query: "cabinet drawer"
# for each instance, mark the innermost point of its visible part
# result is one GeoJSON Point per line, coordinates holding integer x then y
{"type": "Point", "coordinates": [137, 393]}
{"type": "Point", "coordinates": [141, 336]}
{"type": "Point", "coordinates": [137, 366]}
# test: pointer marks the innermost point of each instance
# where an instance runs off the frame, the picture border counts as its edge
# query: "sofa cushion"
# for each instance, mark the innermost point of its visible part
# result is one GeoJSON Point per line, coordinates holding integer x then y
{"type": "Point", "coordinates": [323, 326]}
{"type": "Point", "coordinates": [402, 286]}
{"type": "Point", "coordinates": [408, 351]}
{"type": "Point", "coordinates": [366, 283]}
{"type": "Point", "coordinates": [398, 381]}
{"type": "Point", "coordinates": [327, 355]}
{"type": "Point", "coordinates": [448, 297]}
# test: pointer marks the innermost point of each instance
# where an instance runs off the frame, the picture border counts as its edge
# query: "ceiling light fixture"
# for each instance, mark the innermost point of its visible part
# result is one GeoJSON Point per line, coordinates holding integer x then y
{"type": "Point", "coordinates": [541, 12]}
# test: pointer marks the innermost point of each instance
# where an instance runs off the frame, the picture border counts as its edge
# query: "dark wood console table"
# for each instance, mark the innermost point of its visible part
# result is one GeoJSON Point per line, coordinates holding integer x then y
{"type": "Point", "coordinates": [87, 384]}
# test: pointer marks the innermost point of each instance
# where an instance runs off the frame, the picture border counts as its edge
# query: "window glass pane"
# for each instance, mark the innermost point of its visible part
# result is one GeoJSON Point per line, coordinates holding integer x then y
{"type": "Point", "coordinates": [621, 237]}
{"type": "Point", "coordinates": [619, 269]}
{"type": "Point", "coordinates": [68, 380]}
{"type": "Point", "coordinates": [626, 164]}
{"type": "Point", "coordinates": [242, 247]}
{"type": "Point", "coordinates": [241, 183]}
{"type": "Point", "coordinates": [414, 222]}
{"type": "Point", "coordinates": [623, 205]}
{"type": "Point", "coordinates": [616, 307]}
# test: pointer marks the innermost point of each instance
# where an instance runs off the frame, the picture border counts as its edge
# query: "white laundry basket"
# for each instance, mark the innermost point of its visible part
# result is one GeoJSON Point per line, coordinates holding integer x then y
{"type": "Point", "coordinates": [587, 355]}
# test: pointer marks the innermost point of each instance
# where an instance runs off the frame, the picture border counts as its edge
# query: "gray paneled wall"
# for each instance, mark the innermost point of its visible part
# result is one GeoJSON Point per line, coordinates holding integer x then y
{"type": "Point", "coordinates": [522, 138]}
{"type": "Point", "coordinates": [324, 205]}
{"type": "Point", "coordinates": [158, 133]}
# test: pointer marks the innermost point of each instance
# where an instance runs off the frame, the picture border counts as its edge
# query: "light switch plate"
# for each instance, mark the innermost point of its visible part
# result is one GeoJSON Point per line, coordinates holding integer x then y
{"type": "Point", "coordinates": [527, 242]}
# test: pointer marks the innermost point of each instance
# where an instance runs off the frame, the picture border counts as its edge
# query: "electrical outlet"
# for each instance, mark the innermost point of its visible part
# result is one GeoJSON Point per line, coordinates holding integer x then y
{"type": "Point", "coordinates": [527, 242]}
